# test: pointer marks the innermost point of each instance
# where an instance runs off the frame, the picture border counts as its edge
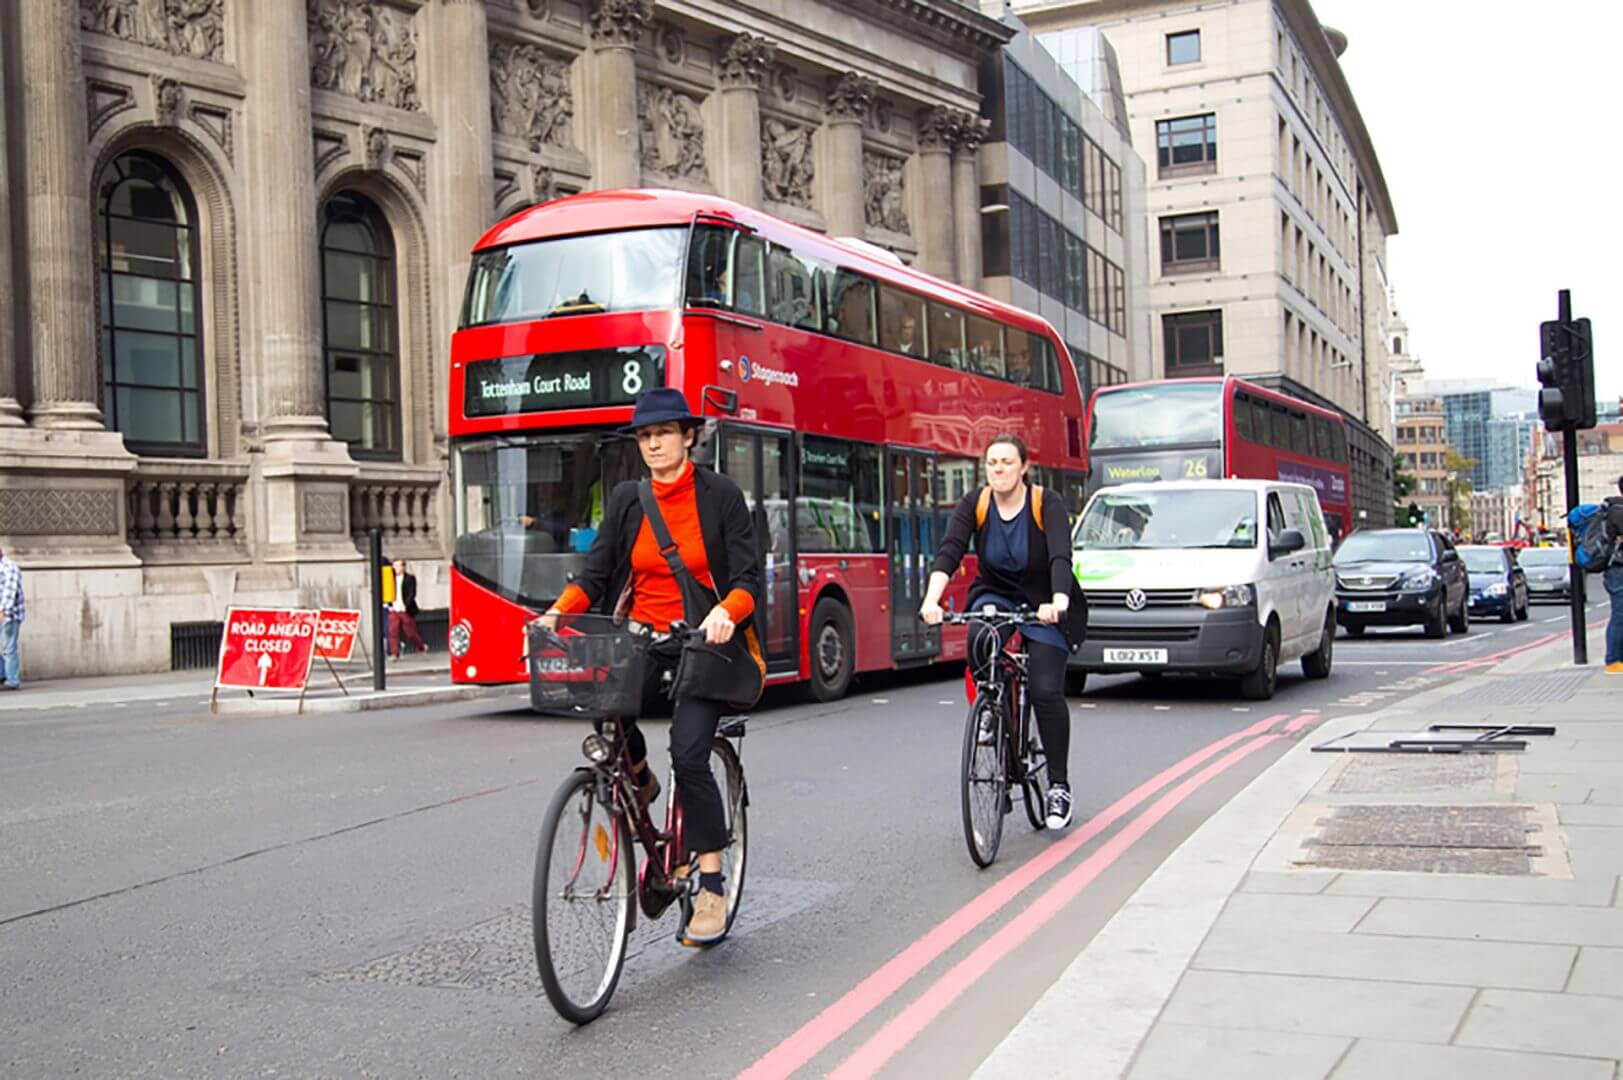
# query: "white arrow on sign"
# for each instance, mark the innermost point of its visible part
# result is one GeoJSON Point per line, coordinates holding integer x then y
{"type": "Point", "coordinates": [264, 667]}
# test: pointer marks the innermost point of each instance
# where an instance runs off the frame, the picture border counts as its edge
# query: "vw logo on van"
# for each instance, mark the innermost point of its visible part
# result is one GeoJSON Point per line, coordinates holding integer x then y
{"type": "Point", "coordinates": [1136, 600]}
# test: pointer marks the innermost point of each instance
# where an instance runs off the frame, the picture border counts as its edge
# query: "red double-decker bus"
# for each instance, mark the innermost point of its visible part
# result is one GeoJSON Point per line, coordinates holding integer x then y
{"type": "Point", "coordinates": [1189, 429]}
{"type": "Point", "coordinates": [850, 398]}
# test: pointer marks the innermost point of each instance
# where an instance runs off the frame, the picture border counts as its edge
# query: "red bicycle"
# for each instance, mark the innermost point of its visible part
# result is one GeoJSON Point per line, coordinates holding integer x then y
{"type": "Point", "coordinates": [586, 893]}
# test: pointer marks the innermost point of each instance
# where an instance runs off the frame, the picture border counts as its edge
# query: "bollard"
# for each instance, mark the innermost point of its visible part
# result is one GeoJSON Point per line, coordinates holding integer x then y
{"type": "Point", "coordinates": [374, 555]}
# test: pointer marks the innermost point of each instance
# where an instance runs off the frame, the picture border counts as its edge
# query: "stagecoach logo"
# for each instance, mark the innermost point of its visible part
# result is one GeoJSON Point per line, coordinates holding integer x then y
{"type": "Point", "coordinates": [762, 373]}
{"type": "Point", "coordinates": [1136, 600]}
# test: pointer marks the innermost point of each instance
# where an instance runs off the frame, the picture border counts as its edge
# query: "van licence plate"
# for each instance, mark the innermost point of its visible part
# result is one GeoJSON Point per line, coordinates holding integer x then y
{"type": "Point", "coordinates": [1366, 605]}
{"type": "Point", "coordinates": [1135, 656]}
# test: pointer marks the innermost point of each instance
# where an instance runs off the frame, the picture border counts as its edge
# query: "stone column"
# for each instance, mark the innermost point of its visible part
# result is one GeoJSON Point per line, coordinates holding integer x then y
{"type": "Point", "coordinates": [616, 25]}
{"type": "Point", "coordinates": [966, 197]}
{"type": "Point", "coordinates": [57, 212]}
{"type": "Point", "coordinates": [462, 186]}
{"type": "Point", "coordinates": [849, 99]}
{"type": "Point", "coordinates": [11, 413]}
{"type": "Point", "coordinates": [744, 63]}
{"type": "Point", "coordinates": [937, 128]}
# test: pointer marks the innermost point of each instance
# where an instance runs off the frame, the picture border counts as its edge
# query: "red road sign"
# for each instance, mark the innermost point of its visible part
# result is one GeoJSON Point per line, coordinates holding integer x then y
{"type": "Point", "coordinates": [265, 648]}
{"type": "Point", "coordinates": [336, 631]}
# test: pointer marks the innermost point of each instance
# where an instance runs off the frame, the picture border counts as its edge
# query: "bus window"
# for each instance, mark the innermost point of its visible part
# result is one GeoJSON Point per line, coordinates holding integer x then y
{"type": "Point", "coordinates": [792, 290]}
{"type": "Point", "coordinates": [1260, 428]}
{"type": "Point", "coordinates": [1279, 427]}
{"type": "Point", "coordinates": [901, 322]}
{"type": "Point", "coordinates": [708, 256]}
{"type": "Point", "coordinates": [1167, 414]}
{"type": "Point", "coordinates": [1018, 360]}
{"type": "Point", "coordinates": [985, 346]}
{"type": "Point", "coordinates": [851, 307]}
{"type": "Point", "coordinates": [947, 336]}
{"type": "Point", "coordinates": [1299, 440]}
{"type": "Point", "coordinates": [749, 275]}
{"type": "Point", "coordinates": [1045, 365]}
{"type": "Point", "coordinates": [1242, 416]}
{"type": "Point", "coordinates": [636, 270]}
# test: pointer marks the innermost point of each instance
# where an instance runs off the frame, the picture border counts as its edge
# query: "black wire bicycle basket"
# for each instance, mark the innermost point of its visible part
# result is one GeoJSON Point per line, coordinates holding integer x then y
{"type": "Point", "coordinates": [592, 667]}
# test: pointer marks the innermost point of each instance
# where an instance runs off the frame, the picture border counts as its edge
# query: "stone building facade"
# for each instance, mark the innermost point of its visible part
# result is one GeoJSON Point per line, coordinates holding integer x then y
{"type": "Point", "coordinates": [234, 236]}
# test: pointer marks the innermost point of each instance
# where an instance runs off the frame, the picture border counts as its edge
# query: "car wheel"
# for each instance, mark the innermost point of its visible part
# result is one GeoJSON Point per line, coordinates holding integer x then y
{"type": "Point", "coordinates": [1316, 664]}
{"type": "Point", "coordinates": [1461, 623]}
{"type": "Point", "coordinates": [1521, 612]}
{"type": "Point", "coordinates": [1437, 622]}
{"type": "Point", "coordinates": [1260, 684]}
{"type": "Point", "coordinates": [1509, 614]}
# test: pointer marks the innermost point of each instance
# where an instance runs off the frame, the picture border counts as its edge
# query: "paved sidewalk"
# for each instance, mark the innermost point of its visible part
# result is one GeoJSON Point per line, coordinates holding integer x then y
{"type": "Point", "coordinates": [1377, 917]}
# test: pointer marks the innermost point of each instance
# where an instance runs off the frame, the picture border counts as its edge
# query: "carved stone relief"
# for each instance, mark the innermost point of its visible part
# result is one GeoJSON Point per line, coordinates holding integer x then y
{"type": "Point", "coordinates": [365, 50]}
{"type": "Point", "coordinates": [183, 27]}
{"type": "Point", "coordinates": [530, 95]}
{"type": "Point", "coordinates": [672, 132]}
{"type": "Point", "coordinates": [787, 163]}
{"type": "Point", "coordinates": [671, 46]}
{"type": "Point", "coordinates": [884, 192]}
{"type": "Point", "coordinates": [217, 122]}
{"type": "Point", "coordinates": [938, 127]}
{"type": "Point", "coordinates": [377, 148]}
{"type": "Point", "coordinates": [543, 185]}
{"type": "Point", "coordinates": [970, 132]}
{"type": "Point", "coordinates": [324, 512]}
{"type": "Point", "coordinates": [620, 22]}
{"type": "Point", "coordinates": [745, 60]}
{"type": "Point", "coordinates": [106, 100]}
{"type": "Point", "coordinates": [851, 96]}
{"type": "Point", "coordinates": [415, 168]}
{"type": "Point", "coordinates": [59, 512]}
{"type": "Point", "coordinates": [166, 97]}
{"type": "Point", "coordinates": [787, 83]}
{"type": "Point", "coordinates": [504, 183]}
{"type": "Point", "coordinates": [329, 146]}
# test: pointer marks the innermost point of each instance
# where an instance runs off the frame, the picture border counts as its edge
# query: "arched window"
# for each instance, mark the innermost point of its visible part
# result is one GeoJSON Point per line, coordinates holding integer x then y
{"type": "Point", "coordinates": [363, 362]}
{"type": "Point", "coordinates": [146, 246]}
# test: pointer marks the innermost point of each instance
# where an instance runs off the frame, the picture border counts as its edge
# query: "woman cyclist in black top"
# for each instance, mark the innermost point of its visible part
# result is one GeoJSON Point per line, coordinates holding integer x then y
{"type": "Point", "coordinates": [1020, 563]}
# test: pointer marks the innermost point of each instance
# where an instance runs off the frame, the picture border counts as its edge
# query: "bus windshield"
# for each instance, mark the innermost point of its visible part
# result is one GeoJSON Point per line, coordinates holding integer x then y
{"type": "Point", "coordinates": [529, 506]}
{"type": "Point", "coordinates": [1177, 518]}
{"type": "Point", "coordinates": [1165, 415]}
{"type": "Point", "coordinates": [639, 270]}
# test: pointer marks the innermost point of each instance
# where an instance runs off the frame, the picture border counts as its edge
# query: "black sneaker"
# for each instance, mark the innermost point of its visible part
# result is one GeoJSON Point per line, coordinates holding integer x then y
{"type": "Point", "coordinates": [987, 731]}
{"type": "Point", "coordinates": [1059, 807]}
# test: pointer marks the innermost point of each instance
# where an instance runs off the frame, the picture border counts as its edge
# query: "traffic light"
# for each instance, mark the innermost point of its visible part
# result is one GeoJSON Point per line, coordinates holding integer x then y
{"type": "Point", "coordinates": [1566, 373]}
{"type": "Point", "coordinates": [1417, 516]}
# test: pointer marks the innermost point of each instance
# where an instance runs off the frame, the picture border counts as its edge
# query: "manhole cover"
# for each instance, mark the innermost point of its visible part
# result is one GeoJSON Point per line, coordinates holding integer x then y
{"type": "Point", "coordinates": [1414, 775]}
{"type": "Point", "coordinates": [1545, 689]}
{"type": "Point", "coordinates": [1425, 839]}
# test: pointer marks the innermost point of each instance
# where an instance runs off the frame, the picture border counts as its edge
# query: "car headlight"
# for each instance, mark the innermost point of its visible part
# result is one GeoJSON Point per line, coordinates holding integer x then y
{"type": "Point", "coordinates": [1497, 589]}
{"type": "Point", "coordinates": [461, 638]}
{"type": "Point", "coordinates": [1418, 580]}
{"type": "Point", "coordinates": [1226, 596]}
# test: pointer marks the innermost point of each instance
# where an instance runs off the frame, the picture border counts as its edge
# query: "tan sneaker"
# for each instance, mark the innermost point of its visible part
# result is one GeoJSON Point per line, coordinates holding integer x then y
{"type": "Point", "coordinates": [709, 921]}
{"type": "Point", "coordinates": [1615, 669]}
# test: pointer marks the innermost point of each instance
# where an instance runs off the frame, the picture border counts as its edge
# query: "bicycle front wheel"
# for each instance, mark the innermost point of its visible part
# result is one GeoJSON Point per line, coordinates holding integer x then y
{"type": "Point", "coordinates": [581, 904]}
{"type": "Point", "coordinates": [1034, 766]}
{"type": "Point", "coordinates": [985, 781]}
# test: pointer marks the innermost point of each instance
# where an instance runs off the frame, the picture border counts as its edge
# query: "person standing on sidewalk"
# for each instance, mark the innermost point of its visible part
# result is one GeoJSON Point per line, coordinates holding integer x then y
{"type": "Point", "coordinates": [1614, 583]}
{"type": "Point", "coordinates": [403, 612]}
{"type": "Point", "coordinates": [11, 622]}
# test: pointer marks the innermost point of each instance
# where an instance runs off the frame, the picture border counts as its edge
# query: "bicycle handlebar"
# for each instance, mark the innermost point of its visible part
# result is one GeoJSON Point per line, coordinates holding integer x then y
{"type": "Point", "coordinates": [991, 615]}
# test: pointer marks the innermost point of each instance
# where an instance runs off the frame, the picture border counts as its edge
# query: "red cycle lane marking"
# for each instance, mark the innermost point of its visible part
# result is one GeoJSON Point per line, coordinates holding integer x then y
{"type": "Point", "coordinates": [821, 1030]}
{"type": "Point", "coordinates": [906, 1025]}
{"type": "Point", "coordinates": [1461, 666]}
{"type": "Point", "coordinates": [1301, 722]}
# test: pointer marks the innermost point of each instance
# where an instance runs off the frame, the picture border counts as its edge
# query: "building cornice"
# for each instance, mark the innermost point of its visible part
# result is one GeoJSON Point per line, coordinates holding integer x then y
{"type": "Point", "coordinates": [949, 19]}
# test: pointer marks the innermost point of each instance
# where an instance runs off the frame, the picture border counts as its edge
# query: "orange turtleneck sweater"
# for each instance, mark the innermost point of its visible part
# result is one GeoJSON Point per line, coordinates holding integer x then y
{"type": "Point", "coordinates": [656, 599]}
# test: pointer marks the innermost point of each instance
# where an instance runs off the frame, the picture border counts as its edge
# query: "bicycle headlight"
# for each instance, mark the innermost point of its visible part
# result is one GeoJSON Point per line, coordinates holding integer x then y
{"type": "Point", "coordinates": [1226, 596]}
{"type": "Point", "coordinates": [596, 749]}
{"type": "Point", "coordinates": [461, 638]}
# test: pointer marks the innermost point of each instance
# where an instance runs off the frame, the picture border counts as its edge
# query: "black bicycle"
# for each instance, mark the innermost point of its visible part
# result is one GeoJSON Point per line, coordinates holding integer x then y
{"type": "Point", "coordinates": [587, 888]}
{"type": "Point", "coordinates": [1002, 748]}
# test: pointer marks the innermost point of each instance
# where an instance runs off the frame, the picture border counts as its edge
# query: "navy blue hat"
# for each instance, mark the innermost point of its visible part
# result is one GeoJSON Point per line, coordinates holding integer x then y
{"type": "Point", "coordinates": [659, 407]}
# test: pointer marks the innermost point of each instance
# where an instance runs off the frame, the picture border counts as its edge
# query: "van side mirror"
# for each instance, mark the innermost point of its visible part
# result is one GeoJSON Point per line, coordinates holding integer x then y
{"type": "Point", "coordinates": [1289, 541]}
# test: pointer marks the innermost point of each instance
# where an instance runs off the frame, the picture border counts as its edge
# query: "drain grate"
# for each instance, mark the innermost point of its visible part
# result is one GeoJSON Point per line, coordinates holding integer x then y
{"type": "Point", "coordinates": [1546, 689]}
{"type": "Point", "coordinates": [1425, 839]}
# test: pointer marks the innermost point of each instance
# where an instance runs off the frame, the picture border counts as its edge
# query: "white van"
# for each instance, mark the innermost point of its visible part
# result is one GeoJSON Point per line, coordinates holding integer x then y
{"type": "Point", "coordinates": [1209, 576]}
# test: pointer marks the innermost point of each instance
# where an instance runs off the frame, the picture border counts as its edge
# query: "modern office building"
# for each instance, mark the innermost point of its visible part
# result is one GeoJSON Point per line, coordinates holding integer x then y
{"type": "Point", "coordinates": [1268, 210]}
{"type": "Point", "coordinates": [1488, 425]}
{"type": "Point", "coordinates": [1062, 205]}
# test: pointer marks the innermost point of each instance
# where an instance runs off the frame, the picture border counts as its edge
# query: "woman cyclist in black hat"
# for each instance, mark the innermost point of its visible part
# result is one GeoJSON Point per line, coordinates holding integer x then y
{"type": "Point", "coordinates": [710, 524]}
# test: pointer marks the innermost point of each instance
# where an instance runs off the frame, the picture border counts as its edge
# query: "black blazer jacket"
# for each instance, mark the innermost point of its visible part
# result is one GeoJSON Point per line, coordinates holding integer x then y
{"type": "Point", "coordinates": [724, 521]}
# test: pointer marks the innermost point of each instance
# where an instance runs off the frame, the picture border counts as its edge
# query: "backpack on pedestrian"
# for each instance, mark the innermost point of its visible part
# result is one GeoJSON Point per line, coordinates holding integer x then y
{"type": "Point", "coordinates": [1595, 541]}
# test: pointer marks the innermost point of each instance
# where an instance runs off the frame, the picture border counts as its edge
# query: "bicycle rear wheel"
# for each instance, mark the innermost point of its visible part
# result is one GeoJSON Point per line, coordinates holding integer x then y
{"type": "Point", "coordinates": [581, 904]}
{"type": "Point", "coordinates": [985, 781]}
{"type": "Point", "coordinates": [729, 772]}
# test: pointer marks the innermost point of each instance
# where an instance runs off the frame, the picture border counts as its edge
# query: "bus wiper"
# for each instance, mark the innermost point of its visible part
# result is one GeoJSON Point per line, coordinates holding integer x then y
{"type": "Point", "coordinates": [581, 306]}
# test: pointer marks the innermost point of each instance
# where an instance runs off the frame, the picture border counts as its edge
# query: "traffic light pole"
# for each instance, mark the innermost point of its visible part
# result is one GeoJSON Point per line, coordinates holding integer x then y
{"type": "Point", "coordinates": [1569, 457]}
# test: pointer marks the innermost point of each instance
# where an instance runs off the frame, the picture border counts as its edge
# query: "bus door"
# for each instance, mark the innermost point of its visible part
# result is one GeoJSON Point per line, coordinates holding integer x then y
{"type": "Point", "coordinates": [759, 462]}
{"type": "Point", "coordinates": [912, 549]}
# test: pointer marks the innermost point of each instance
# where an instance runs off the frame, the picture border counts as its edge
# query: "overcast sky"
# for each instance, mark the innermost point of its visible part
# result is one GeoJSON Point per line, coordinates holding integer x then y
{"type": "Point", "coordinates": [1494, 123]}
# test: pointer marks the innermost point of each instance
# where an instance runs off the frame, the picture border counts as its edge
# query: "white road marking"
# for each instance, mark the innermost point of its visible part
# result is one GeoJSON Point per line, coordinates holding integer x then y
{"type": "Point", "coordinates": [1240, 708]}
{"type": "Point", "coordinates": [1163, 708]}
{"type": "Point", "coordinates": [881, 701]}
{"type": "Point", "coordinates": [1086, 705]}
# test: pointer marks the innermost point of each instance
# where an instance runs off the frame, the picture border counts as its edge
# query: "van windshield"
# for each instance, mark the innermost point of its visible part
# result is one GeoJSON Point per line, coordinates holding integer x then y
{"type": "Point", "coordinates": [1175, 519]}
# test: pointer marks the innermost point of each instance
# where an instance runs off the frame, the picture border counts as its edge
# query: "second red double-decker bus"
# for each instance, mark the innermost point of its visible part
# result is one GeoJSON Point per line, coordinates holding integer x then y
{"type": "Point", "coordinates": [1189, 429]}
{"type": "Point", "coordinates": [851, 396]}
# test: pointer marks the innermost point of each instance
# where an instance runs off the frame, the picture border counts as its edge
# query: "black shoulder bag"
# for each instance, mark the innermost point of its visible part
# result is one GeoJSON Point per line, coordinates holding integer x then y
{"type": "Point", "coordinates": [725, 673]}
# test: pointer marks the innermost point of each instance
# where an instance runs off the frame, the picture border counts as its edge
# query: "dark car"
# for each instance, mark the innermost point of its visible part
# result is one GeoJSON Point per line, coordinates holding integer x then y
{"type": "Point", "coordinates": [1549, 572]}
{"type": "Point", "coordinates": [1498, 585]}
{"type": "Point", "coordinates": [1400, 577]}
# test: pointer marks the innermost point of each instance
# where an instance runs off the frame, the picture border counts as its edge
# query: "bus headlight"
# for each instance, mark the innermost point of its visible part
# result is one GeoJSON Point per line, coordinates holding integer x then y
{"type": "Point", "coordinates": [1226, 597]}
{"type": "Point", "coordinates": [461, 638]}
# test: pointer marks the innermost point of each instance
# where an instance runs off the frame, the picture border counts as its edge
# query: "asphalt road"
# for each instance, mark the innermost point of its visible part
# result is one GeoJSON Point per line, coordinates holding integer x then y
{"type": "Point", "coordinates": [186, 895]}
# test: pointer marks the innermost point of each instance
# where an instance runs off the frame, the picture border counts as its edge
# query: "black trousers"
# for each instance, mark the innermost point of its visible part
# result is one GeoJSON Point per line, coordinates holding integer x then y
{"type": "Point", "coordinates": [693, 731]}
{"type": "Point", "coordinates": [1045, 667]}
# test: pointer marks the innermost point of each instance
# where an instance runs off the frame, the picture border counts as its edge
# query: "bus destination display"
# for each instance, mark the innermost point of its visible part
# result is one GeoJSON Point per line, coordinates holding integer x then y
{"type": "Point", "coordinates": [569, 380]}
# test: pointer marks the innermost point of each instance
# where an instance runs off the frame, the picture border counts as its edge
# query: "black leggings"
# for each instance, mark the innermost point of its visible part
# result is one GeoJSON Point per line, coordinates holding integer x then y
{"type": "Point", "coordinates": [1045, 667]}
{"type": "Point", "coordinates": [693, 730]}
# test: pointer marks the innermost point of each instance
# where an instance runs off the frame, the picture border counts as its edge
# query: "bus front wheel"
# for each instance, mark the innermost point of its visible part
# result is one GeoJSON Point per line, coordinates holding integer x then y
{"type": "Point", "coordinates": [832, 649]}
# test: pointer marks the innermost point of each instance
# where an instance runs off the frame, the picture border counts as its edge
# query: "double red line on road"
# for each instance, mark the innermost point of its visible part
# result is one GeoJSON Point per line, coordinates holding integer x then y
{"type": "Point", "coordinates": [823, 1029]}
{"type": "Point", "coordinates": [1460, 667]}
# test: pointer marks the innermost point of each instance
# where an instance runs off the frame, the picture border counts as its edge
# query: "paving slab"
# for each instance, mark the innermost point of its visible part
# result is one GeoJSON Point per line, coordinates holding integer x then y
{"type": "Point", "coordinates": [1265, 912]}
{"type": "Point", "coordinates": [1395, 959]}
{"type": "Point", "coordinates": [1594, 849]}
{"type": "Point", "coordinates": [1597, 891]}
{"type": "Point", "coordinates": [1579, 1025]}
{"type": "Point", "coordinates": [1590, 814]}
{"type": "Point", "coordinates": [1288, 881]}
{"type": "Point", "coordinates": [1373, 1059]}
{"type": "Point", "coordinates": [1599, 970]}
{"type": "Point", "coordinates": [1553, 924]}
{"type": "Point", "coordinates": [1180, 1051]}
{"type": "Point", "coordinates": [1316, 1006]}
